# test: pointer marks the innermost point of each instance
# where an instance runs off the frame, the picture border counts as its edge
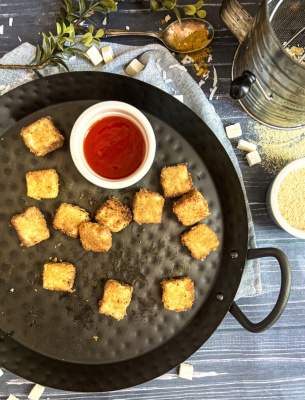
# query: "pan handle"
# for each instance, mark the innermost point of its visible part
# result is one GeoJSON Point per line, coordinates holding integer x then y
{"type": "Point", "coordinates": [283, 296]}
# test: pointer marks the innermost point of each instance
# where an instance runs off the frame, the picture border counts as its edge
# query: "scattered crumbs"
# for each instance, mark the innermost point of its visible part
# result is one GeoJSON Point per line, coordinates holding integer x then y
{"type": "Point", "coordinates": [35, 290]}
{"type": "Point", "coordinates": [81, 196]}
{"type": "Point", "coordinates": [1, 29]}
{"type": "Point", "coordinates": [87, 301]}
{"type": "Point", "coordinates": [12, 290]}
{"type": "Point", "coordinates": [167, 18]}
{"type": "Point", "coordinates": [127, 28]}
{"type": "Point", "coordinates": [95, 338]}
{"type": "Point", "coordinates": [58, 244]}
{"type": "Point", "coordinates": [105, 21]}
{"type": "Point", "coordinates": [60, 260]}
{"type": "Point", "coordinates": [160, 29]}
{"type": "Point", "coordinates": [55, 259]}
{"type": "Point", "coordinates": [167, 237]}
{"type": "Point", "coordinates": [19, 38]}
{"type": "Point", "coordinates": [10, 22]}
{"type": "Point", "coordinates": [91, 202]}
{"type": "Point", "coordinates": [2, 138]}
{"type": "Point", "coordinates": [143, 229]}
{"type": "Point", "coordinates": [140, 242]}
{"type": "Point", "coordinates": [50, 258]}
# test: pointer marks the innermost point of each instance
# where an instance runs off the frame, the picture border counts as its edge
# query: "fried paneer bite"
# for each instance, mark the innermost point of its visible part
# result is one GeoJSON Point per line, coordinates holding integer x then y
{"type": "Point", "coordinates": [95, 237]}
{"type": "Point", "coordinates": [200, 240]}
{"type": "Point", "coordinates": [58, 276]}
{"type": "Point", "coordinates": [148, 207]}
{"type": "Point", "coordinates": [176, 180]}
{"type": "Point", "coordinates": [68, 218]}
{"type": "Point", "coordinates": [116, 299]}
{"type": "Point", "coordinates": [114, 214]}
{"type": "Point", "coordinates": [31, 227]}
{"type": "Point", "coordinates": [42, 184]}
{"type": "Point", "coordinates": [191, 208]}
{"type": "Point", "coordinates": [42, 137]}
{"type": "Point", "coordinates": [178, 294]}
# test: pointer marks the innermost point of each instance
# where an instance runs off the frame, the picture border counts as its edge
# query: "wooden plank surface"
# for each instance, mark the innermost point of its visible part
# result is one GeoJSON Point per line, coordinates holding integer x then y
{"type": "Point", "coordinates": [233, 364]}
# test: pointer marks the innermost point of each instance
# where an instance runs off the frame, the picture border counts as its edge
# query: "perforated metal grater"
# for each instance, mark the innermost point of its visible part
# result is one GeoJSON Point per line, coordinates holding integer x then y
{"type": "Point", "coordinates": [268, 74]}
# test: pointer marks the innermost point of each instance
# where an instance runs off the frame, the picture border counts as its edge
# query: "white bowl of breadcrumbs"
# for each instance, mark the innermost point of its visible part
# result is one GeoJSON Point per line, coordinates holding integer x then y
{"type": "Point", "coordinates": [286, 199]}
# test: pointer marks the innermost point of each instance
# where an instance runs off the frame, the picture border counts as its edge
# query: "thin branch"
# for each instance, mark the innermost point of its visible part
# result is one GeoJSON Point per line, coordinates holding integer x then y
{"type": "Point", "coordinates": [27, 66]}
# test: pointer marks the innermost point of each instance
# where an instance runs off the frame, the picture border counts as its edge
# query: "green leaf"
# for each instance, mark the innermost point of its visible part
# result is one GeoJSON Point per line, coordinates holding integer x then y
{"type": "Point", "coordinates": [37, 73]}
{"type": "Point", "coordinates": [199, 5]}
{"type": "Point", "coordinates": [76, 50]}
{"type": "Point", "coordinates": [64, 27]}
{"type": "Point", "coordinates": [201, 14]}
{"type": "Point", "coordinates": [74, 9]}
{"type": "Point", "coordinates": [47, 43]}
{"type": "Point", "coordinates": [96, 42]}
{"type": "Point", "coordinates": [44, 55]}
{"type": "Point", "coordinates": [58, 29]}
{"type": "Point", "coordinates": [169, 4]}
{"type": "Point", "coordinates": [99, 34]}
{"type": "Point", "coordinates": [109, 4]}
{"type": "Point", "coordinates": [101, 8]}
{"type": "Point", "coordinates": [53, 42]}
{"type": "Point", "coordinates": [37, 55]}
{"type": "Point", "coordinates": [91, 28]}
{"type": "Point", "coordinates": [177, 12]}
{"type": "Point", "coordinates": [86, 37]}
{"type": "Point", "coordinates": [69, 29]}
{"type": "Point", "coordinates": [82, 6]}
{"type": "Point", "coordinates": [60, 61]}
{"type": "Point", "coordinates": [92, 20]}
{"type": "Point", "coordinates": [68, 51]}
{"type": "Point", "coordinates": [60, 46]}
{"type": "Point", "coordinates": [189, 10]}
{"type": "Point", "coordinates": [154, 5]}
{"type": "Point", "coordinates": [63, 12]}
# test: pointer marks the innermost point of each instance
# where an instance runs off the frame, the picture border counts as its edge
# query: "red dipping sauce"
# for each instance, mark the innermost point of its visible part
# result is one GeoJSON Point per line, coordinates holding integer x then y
{"type": "Point", "coordinates": [114, 147]}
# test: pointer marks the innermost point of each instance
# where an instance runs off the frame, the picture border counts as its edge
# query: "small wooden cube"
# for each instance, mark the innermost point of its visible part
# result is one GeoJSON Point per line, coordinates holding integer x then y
{"type": "Point", "coordinates": [116, 299]}
{"type": "Point", "coordinates": [178, 294]}
{"type": "Point", "coordinates": [191, 208]}
{"type": "Point", "coordinates": [42, 184]}
{"type": "Point", "coordinates": [31, 227]}
{"type": "Point", "coordinates": [200, 240]}
{"type": "Point", "coordinates": [148, 207]}
{"type": "Point", "coordinates": [42, 137]}
{"type": "Point", "coordinates": [58, 276]}
{"type": "Point", "coordinates": [68, 219]}
{"type": "Point", "coordinates": [114, 214]}
{"type": "Point", "coordinates": [95, 237]}
{"type": "Point", "coordinates": [176, 180]}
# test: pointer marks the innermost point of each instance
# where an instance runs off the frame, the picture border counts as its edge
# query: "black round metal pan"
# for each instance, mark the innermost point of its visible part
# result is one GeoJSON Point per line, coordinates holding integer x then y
{"type": "Point", "coordinates": [48, 337]}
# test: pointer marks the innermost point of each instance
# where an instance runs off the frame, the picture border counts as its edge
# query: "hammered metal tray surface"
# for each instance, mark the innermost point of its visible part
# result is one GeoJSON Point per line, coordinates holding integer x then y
{"type": "Point", "coordinates": [60, 327]}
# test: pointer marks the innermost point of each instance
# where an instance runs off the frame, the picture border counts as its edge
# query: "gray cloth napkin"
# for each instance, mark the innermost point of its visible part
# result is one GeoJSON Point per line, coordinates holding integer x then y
{"type": "Point", "coordinates": [158, 71]}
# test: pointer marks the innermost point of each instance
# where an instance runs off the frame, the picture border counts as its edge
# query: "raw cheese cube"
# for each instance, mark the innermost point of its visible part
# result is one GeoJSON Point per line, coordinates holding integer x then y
{"type": "Point", "coordinates": [107, 54]}
{"type": "Point", "coordinates": [253, 158]}
{"type": "Point", "coordinates": [11, 397]}
{"type": "Point", "coordinates": [233, 131]}
{"type": "Point", "coordinates": [247, 146]}
{"type": "Point", "coordinates": [186, 371]}
{"type": "Point", "coordinates": [1, 372]}
{"type": "Point", "coordinates": [36, 392]}
{"type": "Point", "coordinates": [95, 56]}
{"type": "Point", "coordinates": [134, 67]}
{"type": "Point", "coordinates": [179, 97]}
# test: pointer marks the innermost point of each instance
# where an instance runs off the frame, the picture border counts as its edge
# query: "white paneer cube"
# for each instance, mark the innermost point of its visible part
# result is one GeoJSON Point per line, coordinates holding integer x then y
{"type": "Point", "coordinates": [247, 146]}
{"type": "Point", "coordinates": [179, 97]}
{"type": "Point", "coordinates": [1, 372]}
{"type": "Point", "coordinates": [11, 397]}
{"type": "Point", "coordinates": [107, 54]}
{"type": "Point", "coordinates": [134, 67]}
{"type": "Point", "coordinates": [36, 392]}
{"type": "Point", "coordinates": [95, 56]}
{"type": "Point", "coordinates": [186, 371]}
{"type": "Point", "coordinates": [233, 131]}
{"type": "Point", "coordinates": [253, 158]}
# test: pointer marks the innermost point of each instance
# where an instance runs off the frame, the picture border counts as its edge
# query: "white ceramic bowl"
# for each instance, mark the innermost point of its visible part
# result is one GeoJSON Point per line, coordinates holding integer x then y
{"type": "Point", "coordinates": [97, 112]}
{"type": "Point", "coordinates": [271, 201]}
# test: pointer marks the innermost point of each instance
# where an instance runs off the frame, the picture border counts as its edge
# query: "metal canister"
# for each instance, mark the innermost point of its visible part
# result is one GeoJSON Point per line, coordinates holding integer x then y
{"type": "Point", "coordinates": [267, 81]}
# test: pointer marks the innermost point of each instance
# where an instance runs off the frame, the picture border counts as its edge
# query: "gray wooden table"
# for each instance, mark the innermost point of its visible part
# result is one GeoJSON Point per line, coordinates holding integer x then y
{"type": "Point", "coordinates": [233, 364]}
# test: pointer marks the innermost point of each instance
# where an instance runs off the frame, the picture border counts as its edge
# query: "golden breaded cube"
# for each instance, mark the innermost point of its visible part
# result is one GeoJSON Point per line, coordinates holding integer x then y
{"type": "Point", "coordinates": [31, 227]}
{"type": "Point", "coordinates": [178, 294]}
{"type": "Point", "coordinates": [200, 240]}
{"type": "Point", "coordinates": [114, 214]}
{"type": "Point", "coordinates": [116, 299]}
{"type": "Point", "coordinates": [176, 180]}
{"type": "Point", "coordinates": [42, 137]}
{"type": "Point", "coordinates": [68, 219]}
{"type": "Point", "coordinates": [191, 208]}
{"type": "Point", "coordinates": [147, 207]}
{"type": "Point", "coordinates": [42, 184]}
{"type": "Point", "coordinates": [95, 237]}
{"type": "Point", "coordinates": [58, 276]}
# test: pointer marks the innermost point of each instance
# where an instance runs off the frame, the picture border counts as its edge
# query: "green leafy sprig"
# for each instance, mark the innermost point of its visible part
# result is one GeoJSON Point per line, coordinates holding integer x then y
{"type": "Point", "coordinates": [56, 51]}
{"type": "Point", "coordinates": [171, 5]}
